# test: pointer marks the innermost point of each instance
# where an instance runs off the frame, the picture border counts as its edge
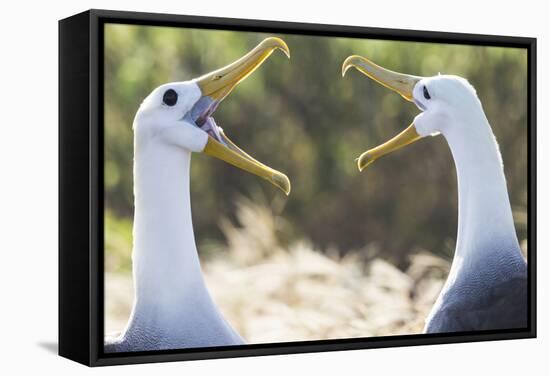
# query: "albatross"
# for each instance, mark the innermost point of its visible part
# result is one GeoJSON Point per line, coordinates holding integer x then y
{"type": "Point", "coordinates": [487, 284]}
{"type": "Point", "coordinates": [172, 307]}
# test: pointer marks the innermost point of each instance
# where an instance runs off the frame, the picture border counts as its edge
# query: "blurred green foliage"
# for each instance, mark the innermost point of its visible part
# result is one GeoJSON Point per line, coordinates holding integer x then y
{"type": "Point", "coordinates": [301, 117]}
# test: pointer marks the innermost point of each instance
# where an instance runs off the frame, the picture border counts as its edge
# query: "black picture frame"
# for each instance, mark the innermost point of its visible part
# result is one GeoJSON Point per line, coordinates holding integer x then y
{"type": "Point", "coordinates": [81, 186]}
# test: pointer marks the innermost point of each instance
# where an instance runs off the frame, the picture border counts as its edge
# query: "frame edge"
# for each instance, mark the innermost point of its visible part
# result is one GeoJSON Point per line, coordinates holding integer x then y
{"type": "Point", "coordinates": [74, 187]}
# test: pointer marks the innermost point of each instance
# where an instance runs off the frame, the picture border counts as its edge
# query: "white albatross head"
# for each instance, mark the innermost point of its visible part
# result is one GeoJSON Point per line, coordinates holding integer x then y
{"type": "Point", "coordinates": [180, 113]}
{"type": "Point", "coordinates": [448, 104]}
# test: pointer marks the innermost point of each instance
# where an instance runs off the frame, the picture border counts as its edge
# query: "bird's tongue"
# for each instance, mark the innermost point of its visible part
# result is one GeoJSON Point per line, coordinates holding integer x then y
{"type": "Point", "coordinates": [213, 130]}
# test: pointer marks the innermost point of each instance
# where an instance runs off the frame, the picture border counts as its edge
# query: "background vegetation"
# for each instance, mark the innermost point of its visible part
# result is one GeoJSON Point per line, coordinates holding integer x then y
{"type": "Point", "coordinates": [303, 118]}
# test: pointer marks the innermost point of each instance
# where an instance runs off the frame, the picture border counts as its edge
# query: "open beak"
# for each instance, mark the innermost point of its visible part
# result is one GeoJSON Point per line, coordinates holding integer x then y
{"type": "Point", "coordinates": [235, 156]}
{"type": "Point", "coordinates": [401, 83]}
{"type": "Point", "coordinates": [219, 83]}
{"type": "Point", "coordinates": [215, 86]}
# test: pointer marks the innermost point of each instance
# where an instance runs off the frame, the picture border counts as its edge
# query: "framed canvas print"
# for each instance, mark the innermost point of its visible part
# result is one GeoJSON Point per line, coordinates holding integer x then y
{"type": "Point", "coordinates": [223, 192]}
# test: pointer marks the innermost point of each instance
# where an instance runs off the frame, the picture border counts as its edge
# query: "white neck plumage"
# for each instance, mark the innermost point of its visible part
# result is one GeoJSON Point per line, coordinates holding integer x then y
{"type": "Point", "coordinates": [165, 261]}
{"type": "Point", "coordinates": [172, 307]}
{"type": "Point", "coordinates": [485, 222]}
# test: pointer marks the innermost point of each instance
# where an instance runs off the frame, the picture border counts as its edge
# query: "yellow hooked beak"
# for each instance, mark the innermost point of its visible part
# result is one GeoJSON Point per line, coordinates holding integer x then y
{"type": "Point", "coordinates": [232, 154]}
{"type": "Point", "coordinates": [398, 82]}
{"type": "Point", "coordinates": [217, 85]}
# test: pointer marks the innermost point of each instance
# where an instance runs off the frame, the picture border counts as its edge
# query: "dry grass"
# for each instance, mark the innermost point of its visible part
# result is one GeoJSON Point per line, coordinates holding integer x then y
{"type": "Point", "coordinates": [272, 294]}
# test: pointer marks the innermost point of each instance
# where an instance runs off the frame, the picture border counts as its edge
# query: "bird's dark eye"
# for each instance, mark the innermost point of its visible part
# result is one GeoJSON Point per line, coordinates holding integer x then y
{"type": "Point", "coordinates": [426, 94]}
{"type": "Point", "coordinates": [170, 97]}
